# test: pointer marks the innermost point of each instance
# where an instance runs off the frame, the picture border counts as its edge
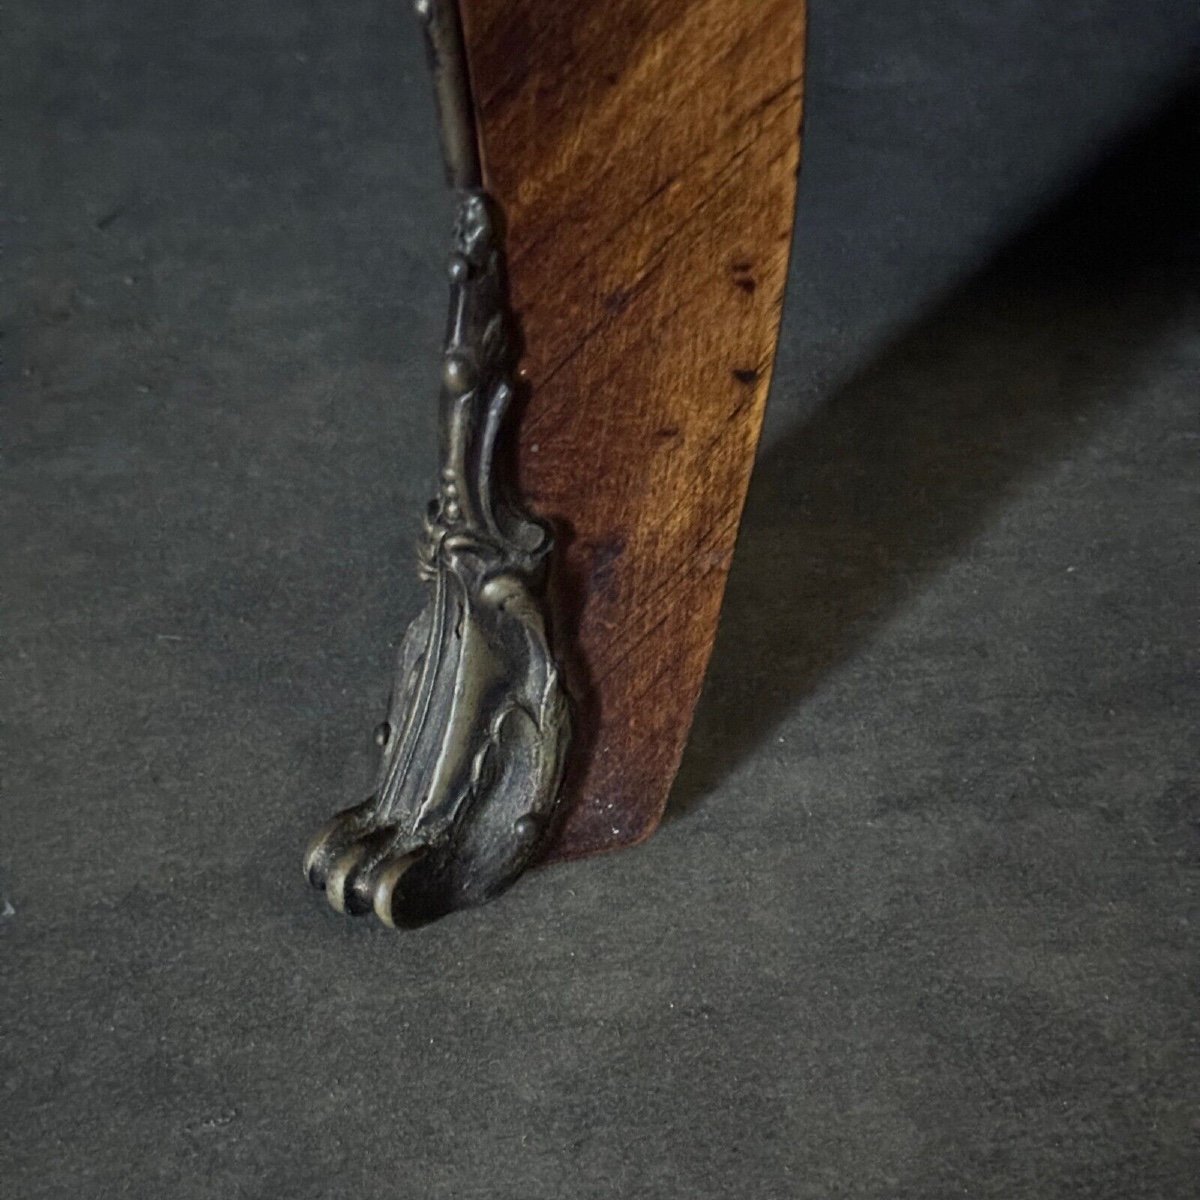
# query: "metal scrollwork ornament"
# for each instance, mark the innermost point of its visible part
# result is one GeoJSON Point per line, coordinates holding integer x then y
{"type": "Point", "coordinates": [477, 727]}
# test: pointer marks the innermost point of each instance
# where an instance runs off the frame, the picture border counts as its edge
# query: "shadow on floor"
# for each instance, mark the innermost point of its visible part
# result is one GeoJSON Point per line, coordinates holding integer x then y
{"type": "Point", "coordinates": [853, 511]}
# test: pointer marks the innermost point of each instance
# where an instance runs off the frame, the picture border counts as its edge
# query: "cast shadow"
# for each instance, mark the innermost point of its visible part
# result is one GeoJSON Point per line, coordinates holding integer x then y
{"type": "Point", "coordinates": [855, 510]}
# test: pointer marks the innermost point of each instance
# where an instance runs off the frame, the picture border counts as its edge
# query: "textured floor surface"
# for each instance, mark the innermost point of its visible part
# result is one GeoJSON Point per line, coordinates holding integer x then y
{"type": "Point", "coordinates": [924, 922]}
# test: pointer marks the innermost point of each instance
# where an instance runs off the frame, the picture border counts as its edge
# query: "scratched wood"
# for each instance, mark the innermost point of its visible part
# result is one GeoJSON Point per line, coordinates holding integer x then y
{"type": "Point", "coordinates": [644, 154]}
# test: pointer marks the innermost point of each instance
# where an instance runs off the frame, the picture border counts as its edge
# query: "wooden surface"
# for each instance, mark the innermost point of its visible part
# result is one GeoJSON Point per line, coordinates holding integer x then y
{"type": "Point", "coordinates": [644, 156]}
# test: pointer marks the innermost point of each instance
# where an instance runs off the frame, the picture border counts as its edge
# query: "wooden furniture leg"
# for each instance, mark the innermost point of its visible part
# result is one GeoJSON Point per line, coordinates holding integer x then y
{"type": "Point", "coordinates": [626, 172]}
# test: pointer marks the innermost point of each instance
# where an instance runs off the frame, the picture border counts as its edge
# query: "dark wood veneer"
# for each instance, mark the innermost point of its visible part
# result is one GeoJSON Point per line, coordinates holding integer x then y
{"type": "Point", "coordinates": [644, 156]}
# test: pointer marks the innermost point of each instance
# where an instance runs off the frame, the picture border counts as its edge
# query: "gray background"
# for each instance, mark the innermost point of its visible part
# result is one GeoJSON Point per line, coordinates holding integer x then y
{"type": "Point", "coordinates": [924, 921]}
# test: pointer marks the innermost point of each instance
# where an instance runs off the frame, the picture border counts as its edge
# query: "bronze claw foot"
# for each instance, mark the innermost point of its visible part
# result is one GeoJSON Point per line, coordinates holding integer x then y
{"type": "Point", "coordinates": [473, 745]}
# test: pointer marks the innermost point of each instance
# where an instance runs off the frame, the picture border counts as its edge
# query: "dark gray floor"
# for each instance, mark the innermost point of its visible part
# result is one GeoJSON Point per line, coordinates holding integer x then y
{"type": "Point", "coordinates": [925, 922]}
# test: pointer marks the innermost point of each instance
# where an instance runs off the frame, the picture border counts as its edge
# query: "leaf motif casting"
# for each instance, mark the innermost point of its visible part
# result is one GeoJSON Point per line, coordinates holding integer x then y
{"type": "Point", "coordinates": [477, 728]}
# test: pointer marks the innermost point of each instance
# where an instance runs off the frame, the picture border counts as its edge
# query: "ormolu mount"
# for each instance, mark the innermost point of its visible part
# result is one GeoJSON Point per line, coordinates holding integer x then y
{"type": "Point", "coordinates": [477, 727]}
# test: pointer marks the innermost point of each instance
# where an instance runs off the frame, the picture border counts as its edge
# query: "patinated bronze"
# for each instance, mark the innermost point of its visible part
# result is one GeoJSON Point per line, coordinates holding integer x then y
{"type": "Point", "coordinates": [475, 737]}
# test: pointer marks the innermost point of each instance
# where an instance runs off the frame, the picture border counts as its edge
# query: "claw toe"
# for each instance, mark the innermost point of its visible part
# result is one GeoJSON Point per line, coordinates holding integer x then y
{"type": "Point", "coordinates": [320, 852]}
{"type": "Point", "coordinates": [387, 880]}
{"type": "Point", "coordinates": [340, 888]}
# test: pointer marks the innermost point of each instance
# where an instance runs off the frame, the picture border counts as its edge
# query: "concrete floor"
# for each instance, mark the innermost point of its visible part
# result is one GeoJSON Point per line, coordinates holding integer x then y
{"type": "Point", "coordinates": [924, 920]}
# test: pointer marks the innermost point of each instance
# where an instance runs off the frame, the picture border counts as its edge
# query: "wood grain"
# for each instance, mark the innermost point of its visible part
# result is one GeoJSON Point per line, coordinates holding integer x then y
{"type": "Point", "coordinates": [644, 157]}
